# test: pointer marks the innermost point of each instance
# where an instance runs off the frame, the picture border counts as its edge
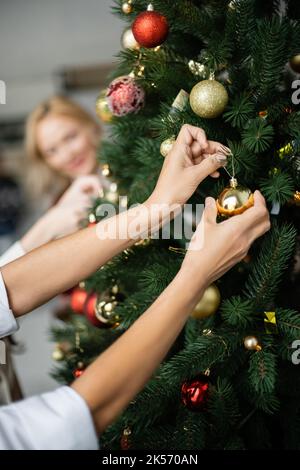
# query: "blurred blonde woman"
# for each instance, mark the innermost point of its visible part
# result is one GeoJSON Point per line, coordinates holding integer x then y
{"type": "Point", "coordinates": [61, 144]}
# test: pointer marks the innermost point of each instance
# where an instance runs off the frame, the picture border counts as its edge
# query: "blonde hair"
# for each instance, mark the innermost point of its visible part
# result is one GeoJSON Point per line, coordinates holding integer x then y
{"type": "Point", "coordinates": [42, 178]}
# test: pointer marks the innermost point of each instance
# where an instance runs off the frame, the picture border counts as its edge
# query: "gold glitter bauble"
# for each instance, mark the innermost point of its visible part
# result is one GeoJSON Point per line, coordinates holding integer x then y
{"type": "Point", "coordinates": [167, 146]}
{"type": "Point", "coordinates": [234, 200]}
{"type": "Point", "coordinates": [208, 99]}
{"type": "Point", "coordinates": [127, 8]}
{"type": "Point", "coordinates": [128, 40]}
{"type": "Point", "coordinates": [251, 343]}
{"type": "Point", "coordinates": [102, 109]}
{"type": "Point", "coordinates": [295, 63]}
{"type": "Point", "coordinates": [208, 304]}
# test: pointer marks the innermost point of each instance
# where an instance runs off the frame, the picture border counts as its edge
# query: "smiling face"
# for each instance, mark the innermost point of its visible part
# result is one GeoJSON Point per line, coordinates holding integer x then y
{"type": "Point", "coordinates": [67, 146]}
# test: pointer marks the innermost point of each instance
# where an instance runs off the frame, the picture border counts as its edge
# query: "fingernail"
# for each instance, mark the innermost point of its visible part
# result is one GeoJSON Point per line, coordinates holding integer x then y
{"type": "Point", "coordinates": [225, 149]}
{"type": "Point", "coordinates": [209, 201]}
{"type": "Point", "coordinates": [221, 158]}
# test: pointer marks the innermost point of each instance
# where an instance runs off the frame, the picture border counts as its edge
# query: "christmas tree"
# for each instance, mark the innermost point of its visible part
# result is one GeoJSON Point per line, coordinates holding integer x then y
{"type": "Point", "coordinates": [231, 379]}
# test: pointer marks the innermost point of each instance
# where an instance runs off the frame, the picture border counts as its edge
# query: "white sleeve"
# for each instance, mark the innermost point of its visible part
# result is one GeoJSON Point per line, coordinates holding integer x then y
{"type": "Point", "coordinates": [58, 420]}
{"type": "Point", "coordinates": [8, 323]}
{"type": "Point", "coordinates": [14, 252]}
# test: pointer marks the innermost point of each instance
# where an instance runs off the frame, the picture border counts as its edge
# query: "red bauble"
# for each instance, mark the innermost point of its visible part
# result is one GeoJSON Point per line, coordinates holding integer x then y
{"type": "Point", "coordinates": [194, 393]}
{"type": "Point", "coordinates": [90, 311]}
{"type": "Point", "coordinates": [77, 373]}
{"type": "Point", "coordinates": [150, 29]}
{"type": "Point", "coordinates": [125, 96]}
{"type": "Point", "coordinates": [78, 299]}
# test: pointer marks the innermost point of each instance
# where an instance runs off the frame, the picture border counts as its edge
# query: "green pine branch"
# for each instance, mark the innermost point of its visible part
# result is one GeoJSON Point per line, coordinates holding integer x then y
{"type": "Point", "coordinates": [278, 187]}
{"type": "Point", "coordinates": [223, 402]}
{"type": "Point", "coordinates": [258, 135]}
{"type": "Point", "coordinates": [268, 268]}
{"type": "Point", "coordinates": [244, 16]}
{"type": "Point", "coordinates": [269, 55]}
{"type": "Point", "coordinates": [240, 110]}
{"type": "Point", "coordinates": [238, 312]}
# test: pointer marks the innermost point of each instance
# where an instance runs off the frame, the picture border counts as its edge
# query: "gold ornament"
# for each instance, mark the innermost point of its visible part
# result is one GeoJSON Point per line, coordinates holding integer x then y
{"type": "Point", "coordinates": [197, 69]}
{"type": "Point", "coordinates": [208, 99]}
{"type": "Point", "coordinates": [57, 354]}
{"type": "Point", "coordinates": [128, 40]}
{"type": "Point", "coordinates": [105, 170]}
{"type": "Point", "coordinates": [127, 7]}
{"type": "Point", "coordinates": [251, 343]}
{"type": "Point", "coordinates": [112, 194]}
{"type": "Point", "coordinates": [295, 63]}
{"type": "Point", "coordinates": [296, 198]}
{"type": "Point", "coordinates": [102, 109]}
{"type": "Point", "coordinates": [141, 69]}
{"type": "Point", "coordinates": [125, 439]}
{"type": "Point", "coordinates": [167, 145]}
{"type": "Point", "coordinates": [234, 200]}
{"type": "Point", "coordinates": [105, 308]}
{"type": "Point", "coordinates": [208, 304]}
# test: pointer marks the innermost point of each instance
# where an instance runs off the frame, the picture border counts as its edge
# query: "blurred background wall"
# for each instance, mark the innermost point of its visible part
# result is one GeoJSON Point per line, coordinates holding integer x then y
{"type": "Point", "coordinates": [47, 47]}
{"type": "Point", "coordinates": [40, 39]}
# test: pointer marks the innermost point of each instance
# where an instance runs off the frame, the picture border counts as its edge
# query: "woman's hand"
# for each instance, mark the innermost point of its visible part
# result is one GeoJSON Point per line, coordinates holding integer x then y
{"type": "Point", "coordinates": [190, 161]}
{"type": "Point", "coordinates": [216, 247]}
{"type": "Point", "coordinates": [64, 218]}
{"type": "Point", "coordinates": [70, 210]}
{"type": "Point", "coordinates": [82, 189]}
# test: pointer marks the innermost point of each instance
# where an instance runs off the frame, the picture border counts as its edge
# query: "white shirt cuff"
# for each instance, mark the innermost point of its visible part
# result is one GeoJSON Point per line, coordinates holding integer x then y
{"type": "Point", "coordinates": [58, 420]}
{"type": "Point", "coordinates": [14, 252]}
{"type": "Point", "coordinates": [8, 323]}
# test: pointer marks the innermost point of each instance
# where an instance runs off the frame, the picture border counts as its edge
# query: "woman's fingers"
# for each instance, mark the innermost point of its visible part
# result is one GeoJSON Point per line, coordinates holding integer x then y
{"type": "Point", "coordinates": [90, 185]}
{"type": "Point", "coordinates": [188, 134]}
{"type": "Point", "coordinates": [196, 149]}
{"type": "Point", "coordinates": [210, 211]}
{"type": "Point", "coordinates": [215, 174]}
{"type": "Point", "coordinates": [215, 147]}
{"type": "Point", "coordinates": [257, 218]}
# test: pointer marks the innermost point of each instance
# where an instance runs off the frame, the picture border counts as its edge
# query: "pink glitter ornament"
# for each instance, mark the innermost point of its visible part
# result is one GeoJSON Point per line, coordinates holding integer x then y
{"type": "Point", "coordinates": [124, 96]}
